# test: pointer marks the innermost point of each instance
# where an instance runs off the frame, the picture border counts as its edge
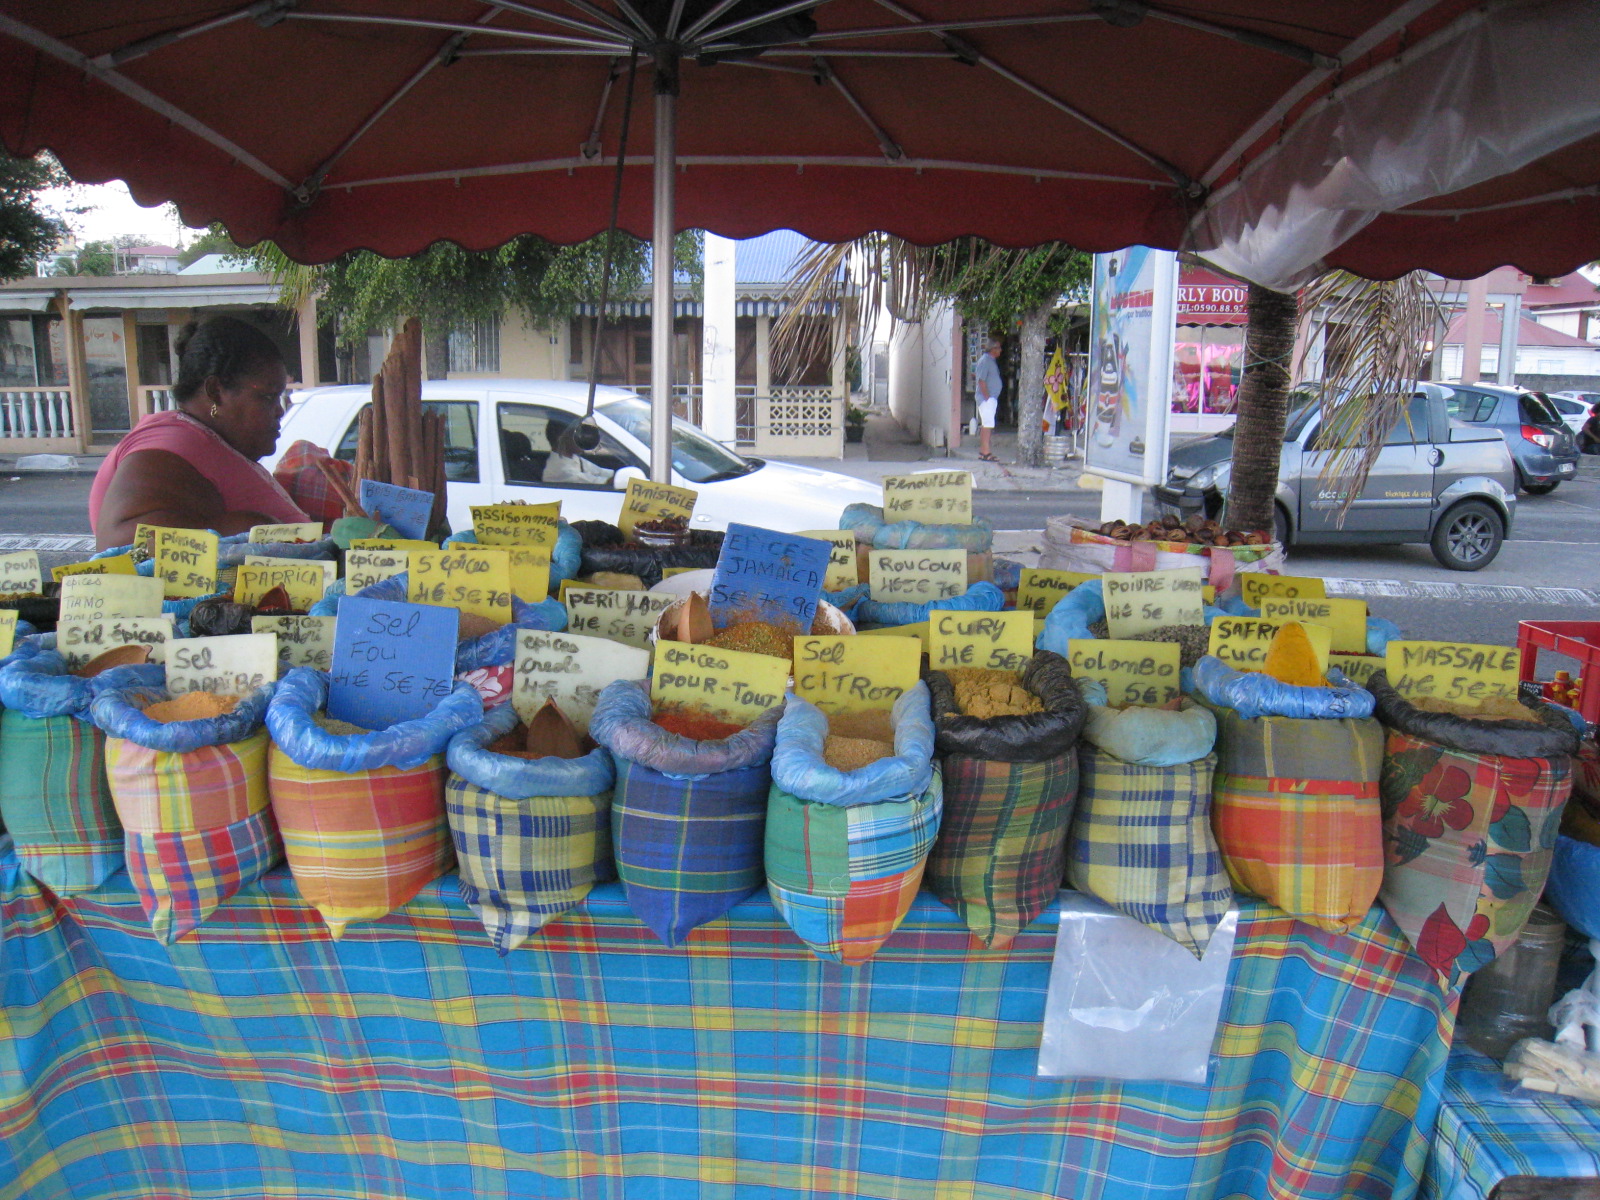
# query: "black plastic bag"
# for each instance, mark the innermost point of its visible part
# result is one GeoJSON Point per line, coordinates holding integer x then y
{"type": "Point", "coordinates": [1547, 733]}
{"type": "Point", "coordinates": [703, 550]}
{"type": "Point", "coordinates": [1029, 737]}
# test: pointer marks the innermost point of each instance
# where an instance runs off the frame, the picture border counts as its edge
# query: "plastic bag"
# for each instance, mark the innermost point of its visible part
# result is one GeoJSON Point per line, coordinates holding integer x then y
{"type": "Point", "coordinates": [1576, 1016]}
{"type": "Point", "coordinates": [1152, 737]}
{"type": "Point", "coordinates": [982, 596]}
{"type": "Point", "coordinates": [1252, 694]}
{"type": "Point", "coordinates": [798, 767]}
{"type": "Point", "coordinates": [1546, 734]}
{"type": "Point", "coordinates": [848, 598]}
{"type": "Point", "coordinates": [565, 556]}
{"type": "Point", "coordinates": [1071, 617]}
{"type": "Point", "coordinates": [600, 553]}
{"type": "Point", "coordinates": [622, 724]}
{"type": "Point", "coordinates": [303, 692]}
{"type": "Point", "coordinates": [1574, 886]}
{"type": "Point", "coordinates": [1125, 1002]}
{"type": "Point", "coordinates": [1028, 737]}
{"type": "Point", "coordinates": [867, 523]}
{"type": "Point", "coordinates": [524, 778]}
{"type": "Point", "coordinates": [119, 712]}
{"type": "Point", "coordinates": [35, 681]}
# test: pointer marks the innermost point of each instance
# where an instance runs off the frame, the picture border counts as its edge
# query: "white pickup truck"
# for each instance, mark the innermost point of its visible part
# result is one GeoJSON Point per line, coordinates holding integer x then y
{"type": "Point", "coordinates": [499, 435]}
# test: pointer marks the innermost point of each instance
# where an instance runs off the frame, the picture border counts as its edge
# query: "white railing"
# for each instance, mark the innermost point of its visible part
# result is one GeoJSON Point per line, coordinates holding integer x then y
{"type": "Point", "coordinates": [800, 421]}
{"type": "Point", "coordinates": [36, 413]}
{"type": "Point", "coordinates": [155, 398]}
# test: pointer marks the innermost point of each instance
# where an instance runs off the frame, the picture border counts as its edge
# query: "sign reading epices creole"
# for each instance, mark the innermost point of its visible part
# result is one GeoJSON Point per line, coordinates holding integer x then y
{"type": "Point", "coordinates": [302, 641]}
{"type": "Point", "coordinates": [570, 669]}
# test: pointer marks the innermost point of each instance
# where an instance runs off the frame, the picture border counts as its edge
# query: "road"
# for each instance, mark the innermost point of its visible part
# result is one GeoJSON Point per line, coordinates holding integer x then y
{"type": "Point", "coordinates": [1548, 570]}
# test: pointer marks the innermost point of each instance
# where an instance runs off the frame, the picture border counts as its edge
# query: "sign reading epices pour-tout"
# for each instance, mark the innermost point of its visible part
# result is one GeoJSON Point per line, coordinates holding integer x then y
{"type": "Point", "coordinates": [732, 685]}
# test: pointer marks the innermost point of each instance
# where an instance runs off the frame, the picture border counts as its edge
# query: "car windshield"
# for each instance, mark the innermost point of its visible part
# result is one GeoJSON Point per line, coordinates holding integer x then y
{"type": "Point", "coordinates": [694, 456]}
{"type": "Point", "coordinates": [1537, 409]}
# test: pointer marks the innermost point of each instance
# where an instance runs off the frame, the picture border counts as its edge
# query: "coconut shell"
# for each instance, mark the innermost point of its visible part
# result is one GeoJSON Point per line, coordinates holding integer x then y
{"type": "Point", "coordinates": [118, 656]}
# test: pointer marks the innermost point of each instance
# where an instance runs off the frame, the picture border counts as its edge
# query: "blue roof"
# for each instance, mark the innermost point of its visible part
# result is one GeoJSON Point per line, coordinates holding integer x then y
{"type": "Point", "coordinates": [769, 258]}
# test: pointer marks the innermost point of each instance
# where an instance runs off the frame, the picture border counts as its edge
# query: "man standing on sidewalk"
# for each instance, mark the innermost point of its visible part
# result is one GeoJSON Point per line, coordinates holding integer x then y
{"type": "Point", "coordinates": [989, 386]}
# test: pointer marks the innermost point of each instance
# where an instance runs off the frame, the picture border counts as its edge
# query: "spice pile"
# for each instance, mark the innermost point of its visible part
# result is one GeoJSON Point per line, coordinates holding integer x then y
{"type": "Point", "coordinates": [192, 706]}
{"type": "Point", "coordinates": [1495, 708]}
{"type": "Point", "coordinates": [700, 726]}
{"type": "Point", "coordinates": [1193, 640]}
{"type": "Point", "coordinates": [1196, 530]}
{"type": "Point", "coordinates": [754, 637]}
{"type": "Point", "coordinates": [857, 739]}
{"type": "Point", "coordinates": [989, 693]}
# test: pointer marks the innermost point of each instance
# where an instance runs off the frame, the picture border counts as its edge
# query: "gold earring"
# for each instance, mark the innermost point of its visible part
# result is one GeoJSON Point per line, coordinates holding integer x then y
{"type": "Point", "coordinates": [215, 412]}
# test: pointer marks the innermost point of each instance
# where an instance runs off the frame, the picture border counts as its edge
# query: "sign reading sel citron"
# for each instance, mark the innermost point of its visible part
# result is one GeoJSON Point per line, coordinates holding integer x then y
{"type": "Point", "coordinates": [616, 614]}
{"type": "Point", "coordinates": [117, 564]}
{"type": "Point", "coordinates": [302, 641]}
{"type": "Point", "coordinates": [1453, 671]}
{"type": "Point", "coordinates": [1242, 642]}
{"type": "Point", "coordinates": [936, 497]}
{"type": "Point", "coordinates": [476, 580]}
{"type": "Point", "coordinates": [186, 562]}
{"type": "Point", "coordinates": [227, 666]}
{"type": "Point", "coordinates": [1255, 587]}
{"type": "Point", "coordinates": [570, 669]}
{"type": "Point", "coordinates": [1139, 601]}
{"type": "Point", "coordinates": [1346, 618]}
{"type": "Point", "coordinates": [842, 569]}
{"type": "Point", "coordinates": [917, 575]}
{"type": "Point", "coordinates": [854, 674]}
{"type": "Point", "coordinates": [731, 685]}
{"type": "Point", "coordinates": [997, 641]}
{"type": "Point", "coordinates": [81, 640]}
{"type": "Point", "coordinates": [516, 524]}
{"type": "Point", "coordinates": [645, 501]}
{"type": "Point", "coordinates": [1142, 673]}
{"type": "Point", "coordinates": [95, 597]}
{"type": "Point", "coordinates": [1042, 589]}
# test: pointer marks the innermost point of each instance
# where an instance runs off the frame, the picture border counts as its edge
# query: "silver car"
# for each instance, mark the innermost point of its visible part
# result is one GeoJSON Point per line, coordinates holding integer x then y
{"type": "Point", "coordinates": [1436, 480]}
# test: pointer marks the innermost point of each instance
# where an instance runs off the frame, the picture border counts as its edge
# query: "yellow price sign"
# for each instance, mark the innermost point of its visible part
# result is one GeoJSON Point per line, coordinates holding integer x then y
{"type": "Point", "coordinates": [1255, 586]}
{"type": "Point", "coordinates": [363, 568]}
{"type": "Point", "coordinates": [732, 685]}
{"type": "Point", "coordinates": [8, 630]}
{"type": "Point", "coordinates": [1041, 589]}
{"type": "Point", "coordinates": [843, 571]}
{"type": "Point", "coordinates": [186, 562]}
{"type": "Point", "coordinates": [937, 497]}
{"type": "Point", "coordinates": [516, 524]}
{"type": "Point", "coordinates": [616, 614]}
{"type": "Point", "coordinates": [1134, 673]}
{"type": "Point", "coordinates": [917, 575]}
{"type": "Point", "coordinates": [1346, 618]}
{"type": "Point", "coordinates": [1359, 667]}
{"type": "Point", "coordinates": [645, 501]}
{"type": "Point", "coordinates": [855, 674]}
{"type": "Point", "coordinates": [530, 572]}
{"type": "Point", "coordinates": [997, 641]}
{"type": "Point", "coordinates": [1457, 672]}
{"type": "Point", "coordinates": [295, 531]}
{"type": "Point", "coordinates": [95, 597]}
{"type": "Point", "coordinates": [20, 574]}
{"type": "Point", "coordinates": [475, 580]}
{"type": "Point", "coordinates": [117, 564]}
{"type": "Point", "coordinates": [302, 641]}
{"type": "Point", "coordinates": [1242, 642]}
{"type": "Point", "coordinates": [1140, 601]}
{"type": "Point", "coordinates": [919, 630]}
{"type": "Point", "coordinates": [304, 581]}
{"type": "Point", "coordinates": [391, 544]}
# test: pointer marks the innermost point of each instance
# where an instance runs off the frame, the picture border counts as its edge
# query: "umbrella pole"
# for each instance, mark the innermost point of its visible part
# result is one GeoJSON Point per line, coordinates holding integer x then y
{"type": "Point", "coordinates": [662, 343]}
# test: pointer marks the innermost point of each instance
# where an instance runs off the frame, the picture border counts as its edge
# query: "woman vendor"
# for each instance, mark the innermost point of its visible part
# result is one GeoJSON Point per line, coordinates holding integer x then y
{"type": "Point", "coordinates": [196, 467]}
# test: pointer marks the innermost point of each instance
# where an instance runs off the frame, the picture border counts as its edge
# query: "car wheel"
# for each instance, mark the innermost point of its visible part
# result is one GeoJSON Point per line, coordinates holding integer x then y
{"type": "Point", "coordinates": [1541, 489]}
{"type": "Point", "coordinates": [1280, 525]}
{"type": "Point", "coordinates": [1468, 537]}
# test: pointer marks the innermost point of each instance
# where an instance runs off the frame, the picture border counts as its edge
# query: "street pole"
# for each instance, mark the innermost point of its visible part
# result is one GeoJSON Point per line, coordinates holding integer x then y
{"type": "Point", "coordinates": [661, 337]}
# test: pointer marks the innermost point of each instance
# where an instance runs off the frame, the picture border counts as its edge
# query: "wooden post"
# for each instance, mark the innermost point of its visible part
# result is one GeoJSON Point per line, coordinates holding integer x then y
{"type": "Point", "coordinates": [306, 326]}
{"type": "Point", "coordinates": [130, 364]}
{"type": "Point", "coordinates": [77, 372]}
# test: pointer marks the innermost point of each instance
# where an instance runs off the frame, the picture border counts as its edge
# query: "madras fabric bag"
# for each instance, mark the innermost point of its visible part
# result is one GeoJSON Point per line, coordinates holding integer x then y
{"type": "Point", "coordinates": [845, 850]}
{"type": "Point", "coordinates": [531, 836]}
{"type": "Point", "coordinates": [687, 817]}
{"type": "Point", "coordinates": [362, 815]}
{"type": "Point", "coordinates": [1010, 784]}
{"type": "Point", "coordinates": [1141, 841]}
{"type": "Point", "coordinates": [1468, 833]}
{"type": "Point", "coordinates": [54, 797]}
{"type": "Point", "coordinates": [192, 797]}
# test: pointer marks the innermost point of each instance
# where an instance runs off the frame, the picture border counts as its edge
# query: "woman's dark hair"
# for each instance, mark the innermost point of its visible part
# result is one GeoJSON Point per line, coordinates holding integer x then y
{"type": "Point", "coordinates": [225, 347]}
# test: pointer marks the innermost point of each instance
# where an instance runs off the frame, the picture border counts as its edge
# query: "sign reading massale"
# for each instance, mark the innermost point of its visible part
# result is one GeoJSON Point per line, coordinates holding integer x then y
{"type": "Point", "coordinates": [1453, 671]}
{"type": "Point", "coordinates": [1042, 589]}
{"type": "Point", "coordinates": [570, 669]}
{"type": "Point", "coordinates": [1139, 601]}
{"type": "Point", "coordinates": [1142, 673]}
{"type": "Point", "coordinates": [645, 501]}
{"type": "Point", "coordinates": [1256, 587]}
{"type": "Point", "coordinates": [226, 666]}
{"type": "Point", "coordinates": [933, 497]}
{"type": "Point", "coordinates": [855, 674]}
{"type": "Point", "coordinates": [917, 575]}
{"type": "Point", "coordinates": [731, 685]}
{"type": "Point", "coordinates": [996, 641]}
{"type": "Point", "coordinates": [186, 562]}
{"type": "Point", "coordinates": [1346, 618]}
{"type": "Point", "coordinates": [843, 570]}
{"type": "Point", "coordinates": [475, 579]}
{"type": "Point", "coordinates": [616, 614]}
{"type": "Point", "coordinates": [1243, 642]}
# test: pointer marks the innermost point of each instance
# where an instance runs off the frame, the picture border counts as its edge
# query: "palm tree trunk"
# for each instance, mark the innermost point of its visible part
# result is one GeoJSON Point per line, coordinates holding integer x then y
{"type": "Point", "coordinates": [1262, 407]}
{"type": "Point", "coordinates": [1030, 387]}
{"type": "Point", "coordinates": [436, 349]}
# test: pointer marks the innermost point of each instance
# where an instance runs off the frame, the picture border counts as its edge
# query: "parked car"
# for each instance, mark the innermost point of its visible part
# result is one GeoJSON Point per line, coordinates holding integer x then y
{"type": "Point", "coordinates": [1436, 480]}
{"type": "Point", "coordinates": [498, 440]}
{"type": "Point", "coordinates": [1574, 407]}
{"type": "Point", "coordinates": [1541, 444]}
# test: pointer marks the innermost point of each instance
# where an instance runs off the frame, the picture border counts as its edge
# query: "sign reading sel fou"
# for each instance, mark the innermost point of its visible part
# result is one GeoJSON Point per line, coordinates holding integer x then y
{"type": "Point", "coordinates": [20, 574]}
{"type": "Point", "coordinates": [996, 641]}
{"type": "Point", "coordinates": [854, 674]}
{"type": "Point", "coordinates": [646, 501]}
{"type": "Point", "coordinates": [1139, 601]}
{"type": "Point", "coordinates": [392, 662]}
{"type": "Point", "coordinates": [615, 614]}
{"type": "Point", "coordinates": [406, 509]}
{"type": "Point", "coordinates": [570, 669]}
{"type": "Point", "coordinates": [93, 597]}
{"type": "Point", "coordinates": [1243, 642]}
{"type": "Point", "coordinates": [1041, 589]}
{"type": "Point", "coordinates": [1463, 673]}
{"type": "Point", "coordinates": [843, 571]}
{"type": "Point", "coordinates": [917, 575]}
{"type": "Point", "coordinates": [80, 640]}
{"type": "Point", "coordinates": [1347, 618]}
{"type": "Point", "coordinates": [476, 580]}
{"type": "Point", "coordinates": [186, 562]}
{"type": "Point", "coordinates": [225, 666]}
{"type": "Point", "coordinates": [1142, 673]}
{"type": "Point", "coordinates": [936, 497]}
{"type": "Point", "coordinates": [302, 641]}
{"type": "Point", "coordinates": [767, 576]}
{"type": "Point", "coordinates": [731, 685]}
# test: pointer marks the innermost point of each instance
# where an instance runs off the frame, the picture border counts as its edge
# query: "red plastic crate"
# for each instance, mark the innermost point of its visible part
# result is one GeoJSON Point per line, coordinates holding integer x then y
{"type": "Point", "coordinates": [1575, 639]}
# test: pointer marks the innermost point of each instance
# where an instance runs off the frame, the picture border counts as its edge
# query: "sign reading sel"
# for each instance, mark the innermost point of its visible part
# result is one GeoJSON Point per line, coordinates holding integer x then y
{"type": "Point", "coordinates": [1139, 601]}
{"type": "Point", "coordinates": [645, 501]}
{"type": "Point", "coordinates": [936, 497]}
{"type": "Point", "coordinates": [1346, 618]}
{"type": "Point", "coordinates": [1463, 673]}
{"type": "Point", "coordinates": [296, 531]}
{"type": "Point", "coordinates": [843, 571]}
{"type": "Point", "coordinates": [81, 640]}
{"type": "Point", "coordinates": [302, 641]}
{"type": "Point", "coordinates": [476, 580]}
{"type": "Point", "coordinates": [1243, 642]}
{"type": "Point", "coordinates": [1256, 586]}
{"type": "Point", "coordinates": [996, 641]}
{"type": "Point", "coordinates": [1142, 673]}
{"type": "Point", "coordinates": [20, 574]}
{"type": "Point", "coordinates": [392, 662]}
{"type": "Point", "coordinates": [731, 685]}
{"type": "Point", "coordinates": [854, 674]}
{"type": "Point", "coordinates": [186, 562]}
{"type": "Point", "coordinates": [1041, 589]}
{"type": "Point", "coordinates": [117, 564]}
{"type": "Point", "coordinates": [917, 575]}
{"type": "Point", "coordinates": [570, 669]}
{"type": "Point", "coordinates": [225, 666]}
{"type": "Point", "coordinates": [763, 575]}
{"type": "Point", "coordinates": [93, 597]}
{"type": "Point", "coordinates": [407, 510]}
{"type": "Point", "coordinates": [615, 614]}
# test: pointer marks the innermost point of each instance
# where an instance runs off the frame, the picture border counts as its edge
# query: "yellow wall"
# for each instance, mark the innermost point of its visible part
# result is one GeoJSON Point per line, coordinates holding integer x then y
{"type": "Point", "coordinates": [525, 353]}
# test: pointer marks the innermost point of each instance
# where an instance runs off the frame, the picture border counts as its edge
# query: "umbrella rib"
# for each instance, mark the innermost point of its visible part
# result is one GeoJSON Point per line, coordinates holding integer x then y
{"type": "Point", "coordinates": [891, 148]}
{"type": "Point", "coordinates": [783, 10]}
{"type": "Point", "coordinates": [935, 27]}
{"type": "Point", "coordinates": [141, 95]}
{"type": "Point", "coordinates": [1249, 37]}
{"type": "Point", "coordinates": [614, 28]}
{"type": "Point", "coordinates": [705, 18]}
{"type": "Point", "coordinates": [157, 41]}
{"type": "Point", "coordinates": [526, 35]}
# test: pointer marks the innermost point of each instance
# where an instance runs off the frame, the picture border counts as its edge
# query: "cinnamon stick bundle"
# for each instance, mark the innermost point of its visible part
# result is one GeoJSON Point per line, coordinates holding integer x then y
{"type": "Point", "coordinates": [396, 441]}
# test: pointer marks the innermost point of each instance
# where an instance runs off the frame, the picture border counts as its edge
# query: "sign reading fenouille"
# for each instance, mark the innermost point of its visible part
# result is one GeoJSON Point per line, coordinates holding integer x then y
{"type": "Point", "coordinates": [933, 497]}
{"type": "Point", "coordinates": [645, 501]}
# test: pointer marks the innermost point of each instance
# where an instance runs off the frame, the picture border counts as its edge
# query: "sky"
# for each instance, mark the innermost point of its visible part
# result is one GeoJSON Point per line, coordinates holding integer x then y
{"type": "Point", "coordinates": [112, 211]}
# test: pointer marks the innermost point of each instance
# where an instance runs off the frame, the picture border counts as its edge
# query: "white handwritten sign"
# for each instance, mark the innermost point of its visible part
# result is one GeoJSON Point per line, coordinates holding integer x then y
{"type": "Point", "coordinates": [81, 640]}
{"type": "Point", "coordinates": [570, 669]}
{"type": "Point", "coordinates": [20, 574]}
{"type": "Point", "coordinates": [225, 666]}
{"type": "Point", "coordinates": [937, 497]}
{"type": "Point", "coordinates": [917, 575]}
{"type": "Point", "coordinates": [94, 597]}
{"type": "Point", "coordinates": [302, 641]}
{"type": "Point", "coordinates": [996, 641]}
{"type": "Point", "coordinates": [296, 531]}
{"type": "Point", "coordinates": [614, 613]}
{"type": "Point", "coordinates": [1139, 601]}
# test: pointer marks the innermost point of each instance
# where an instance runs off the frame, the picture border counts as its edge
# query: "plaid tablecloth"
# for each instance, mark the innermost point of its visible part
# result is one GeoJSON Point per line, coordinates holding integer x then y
{"type": "Point", "coordinates": [1490, 1129]}
{"type": "Point", "coordinates": [411, 1061]}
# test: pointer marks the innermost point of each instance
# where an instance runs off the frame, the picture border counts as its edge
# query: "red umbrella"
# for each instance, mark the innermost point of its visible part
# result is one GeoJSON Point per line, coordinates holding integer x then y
{"type": "Point", "coordinates": [1271, 135]}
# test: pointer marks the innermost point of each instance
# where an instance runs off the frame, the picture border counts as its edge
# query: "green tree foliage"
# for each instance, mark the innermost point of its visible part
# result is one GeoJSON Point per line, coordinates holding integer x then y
{"type": "Point", "coordinates": [92, 258]}
{"type": "Point", "coordinates": [213, 241]}
{"type": "Point", "coordinates": [26, 234]}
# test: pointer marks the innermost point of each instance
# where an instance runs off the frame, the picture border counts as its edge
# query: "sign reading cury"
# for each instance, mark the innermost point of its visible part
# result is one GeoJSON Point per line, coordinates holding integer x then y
{"type": "Point", "coordinates": [731, 685]}
{"type": "Point", "coordinates": [854, 674]}
{"type": "Point", "coordinates": [998, 641]}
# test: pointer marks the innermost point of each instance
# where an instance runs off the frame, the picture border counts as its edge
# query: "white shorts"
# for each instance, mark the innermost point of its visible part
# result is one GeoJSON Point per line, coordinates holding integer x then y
{"type": "Point", "coordinates": [986, 411]}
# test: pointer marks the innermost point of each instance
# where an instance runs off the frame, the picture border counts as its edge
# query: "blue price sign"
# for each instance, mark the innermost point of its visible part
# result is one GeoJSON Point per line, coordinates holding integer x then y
{"type": "Point", "coordinates": [767, 576]}
{"type": "Point", "coordinates": [407, 509]}
{"type": "Point", "coordinates": [392, 662]}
